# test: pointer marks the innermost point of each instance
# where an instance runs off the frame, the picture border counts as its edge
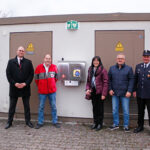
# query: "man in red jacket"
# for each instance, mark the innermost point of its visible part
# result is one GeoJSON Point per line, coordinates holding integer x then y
{"type": "Point", "coordinates": [45, 78]}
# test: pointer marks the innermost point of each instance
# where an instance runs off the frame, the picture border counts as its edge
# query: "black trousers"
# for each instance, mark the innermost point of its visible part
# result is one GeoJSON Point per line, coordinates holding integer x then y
{"type": "Point", "coordinates": [141, 110]}
{"type": "Point", "coordinates": [98, 108]}
{"type": "Point", "coordinates": [12, 108]}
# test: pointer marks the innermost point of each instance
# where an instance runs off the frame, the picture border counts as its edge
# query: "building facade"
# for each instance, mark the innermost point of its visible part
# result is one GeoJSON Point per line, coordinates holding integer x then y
{"type": "Point", "coordinates": [105, 35]}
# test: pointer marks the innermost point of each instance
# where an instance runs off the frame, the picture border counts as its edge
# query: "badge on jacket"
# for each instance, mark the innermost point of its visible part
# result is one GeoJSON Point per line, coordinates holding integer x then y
{"type": "Point", "coordinates": [52, 75]}
{"type": "Point", "coordinates": [138, 71]}
{"type": "Point", "coordinates": [148, 75]}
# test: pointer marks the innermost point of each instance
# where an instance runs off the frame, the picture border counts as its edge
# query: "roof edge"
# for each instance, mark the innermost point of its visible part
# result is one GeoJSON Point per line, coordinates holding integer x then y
{"type": "Point", "coordinates": [78, 17]}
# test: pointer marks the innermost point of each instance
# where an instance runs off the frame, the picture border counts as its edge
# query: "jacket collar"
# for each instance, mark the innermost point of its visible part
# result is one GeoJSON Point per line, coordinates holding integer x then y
{"type": "Point", "coordinates": [97, 70]}
{"type": "Point", "coordinates": [16, 60]}
{"type": "Point", "coordinates": [122, 66]}
{"type": "Point", "coordinates": [147, 65]}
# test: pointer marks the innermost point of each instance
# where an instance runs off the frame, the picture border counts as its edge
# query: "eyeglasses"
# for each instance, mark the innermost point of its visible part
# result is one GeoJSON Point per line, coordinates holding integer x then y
{"type": "Point", "coordinates": [21, 50]}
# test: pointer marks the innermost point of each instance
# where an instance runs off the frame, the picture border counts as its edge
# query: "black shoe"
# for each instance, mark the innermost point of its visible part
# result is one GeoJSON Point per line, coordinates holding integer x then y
{"type": "Point", "coordinates": [29, 124]}
{"type": "Point", "coordinates": [138, 129]}
{"type": "Point", "coordinates": [94, 126]}
{"type": "Point", "coordinates": [99, 127]}
{"type": "Point", "coordinates": [57, 125]}
{"type": "Point", "coordinates": [8, 125]}
{"type": "Point", "coordinates": [114, 127]}
{"type": "Point", "coordinates": [126, 129]}
{"type": "Point", "coordinates": [38, 126]}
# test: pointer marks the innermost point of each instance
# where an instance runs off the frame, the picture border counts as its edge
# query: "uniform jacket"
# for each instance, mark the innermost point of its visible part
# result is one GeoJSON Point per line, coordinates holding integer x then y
{"type": "Point", "coordinates": [142, 81]}
{"type": "Point", "coordinates": [15, 74]}
{"type": "Point", "coordinates": [121, 80]}
{"type": "Point", "coordinates": [46, 83]}
{"type": "Point", "coordinates": [101, 80]}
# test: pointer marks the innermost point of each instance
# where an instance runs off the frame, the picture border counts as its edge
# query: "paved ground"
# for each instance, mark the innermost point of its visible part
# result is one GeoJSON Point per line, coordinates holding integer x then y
{"type": "Point", "coordinates": [70, 137]}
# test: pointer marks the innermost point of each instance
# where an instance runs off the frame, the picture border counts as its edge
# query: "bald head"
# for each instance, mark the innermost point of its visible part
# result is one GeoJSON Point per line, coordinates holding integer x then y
{"type": "Point", "coordinates": [47, 55]}
{"type": "Point", "coordinates": [20, 51]}
{"type": "Point", "coordinates": [47, 59]}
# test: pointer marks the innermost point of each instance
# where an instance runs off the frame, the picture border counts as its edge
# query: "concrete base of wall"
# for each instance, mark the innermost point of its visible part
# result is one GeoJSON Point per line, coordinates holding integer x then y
{"type": "Point", "coordinates": [108, 120]}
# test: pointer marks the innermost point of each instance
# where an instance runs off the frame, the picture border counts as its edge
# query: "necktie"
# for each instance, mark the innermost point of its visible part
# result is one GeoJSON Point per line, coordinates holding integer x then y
{"type": "Point", "coordinates": [20, 63]}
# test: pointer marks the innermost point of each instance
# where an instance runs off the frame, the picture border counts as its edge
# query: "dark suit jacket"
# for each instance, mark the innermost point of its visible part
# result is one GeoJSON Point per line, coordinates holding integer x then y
{"type": "Point", "coordinates": [15, 74]}
{"type": "Point", "coordinates": [142, 81]}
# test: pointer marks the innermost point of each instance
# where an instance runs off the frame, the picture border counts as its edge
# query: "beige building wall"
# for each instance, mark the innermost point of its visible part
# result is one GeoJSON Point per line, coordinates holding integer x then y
{"type": "Point", "coordinates": [71, 45]}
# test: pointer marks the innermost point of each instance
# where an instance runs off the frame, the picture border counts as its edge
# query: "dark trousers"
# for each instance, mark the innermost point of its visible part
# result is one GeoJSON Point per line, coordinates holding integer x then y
{"type": "Point", "coordinates": [98, 108]}
{"type": "Point", "coordinates": [12, 108]}
{"type": "Point", "coordinates": [141, 110]}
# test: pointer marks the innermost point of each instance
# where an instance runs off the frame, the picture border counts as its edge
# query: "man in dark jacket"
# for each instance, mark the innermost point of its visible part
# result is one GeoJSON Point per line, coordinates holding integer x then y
{"type": "Point", "coordinates": [142, 89]}
{"type": "Point", "coordinates": [121, 81]}
{"type": "Point", "coordinates": [20, 74]}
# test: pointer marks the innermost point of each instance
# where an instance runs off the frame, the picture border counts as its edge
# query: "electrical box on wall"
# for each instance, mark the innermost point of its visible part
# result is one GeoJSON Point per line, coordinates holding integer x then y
{"type": "Point", "coordinates": [72, 73]}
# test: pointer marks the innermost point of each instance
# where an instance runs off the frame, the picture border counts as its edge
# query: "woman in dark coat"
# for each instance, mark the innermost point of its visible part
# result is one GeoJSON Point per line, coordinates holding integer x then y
{"type": "Point", "coordinates": [96, 90]}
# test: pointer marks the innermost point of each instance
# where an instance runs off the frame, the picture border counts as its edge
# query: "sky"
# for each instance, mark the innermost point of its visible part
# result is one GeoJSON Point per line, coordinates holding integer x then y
{"type": "Point", "coordinates": [16, 8]}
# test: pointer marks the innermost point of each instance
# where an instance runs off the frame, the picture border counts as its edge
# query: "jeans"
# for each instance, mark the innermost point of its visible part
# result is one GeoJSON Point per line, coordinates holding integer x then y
{"type": "Point", "coordinates": [125, 107]}
{"type": "Point", "coordinates": [52, 102]}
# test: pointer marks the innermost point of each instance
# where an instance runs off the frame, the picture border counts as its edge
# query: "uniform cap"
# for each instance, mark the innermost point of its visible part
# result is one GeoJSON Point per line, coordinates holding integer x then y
{"type": "Point", "coordinates": [146, 53]}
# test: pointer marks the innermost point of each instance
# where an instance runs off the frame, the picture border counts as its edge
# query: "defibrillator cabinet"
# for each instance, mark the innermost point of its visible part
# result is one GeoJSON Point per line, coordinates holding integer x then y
{"type": "Point", "coordinates": [71, 73]}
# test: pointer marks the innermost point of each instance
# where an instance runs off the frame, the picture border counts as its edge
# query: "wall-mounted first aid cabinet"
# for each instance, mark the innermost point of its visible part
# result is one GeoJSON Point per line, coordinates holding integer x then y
{"type": "Point", "coordinates": [72, 73]}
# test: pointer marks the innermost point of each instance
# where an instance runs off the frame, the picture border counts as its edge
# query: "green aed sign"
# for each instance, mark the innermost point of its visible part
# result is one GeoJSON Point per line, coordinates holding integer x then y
{"type": "Point", "coordinates": [72, 25]}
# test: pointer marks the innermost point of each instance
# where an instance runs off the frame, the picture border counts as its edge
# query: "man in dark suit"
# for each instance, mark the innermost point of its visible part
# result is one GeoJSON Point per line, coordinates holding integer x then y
{"type": "Point", "coordinates": [142, 89]}
{"type": "Point", "coordinates": [20, 74]}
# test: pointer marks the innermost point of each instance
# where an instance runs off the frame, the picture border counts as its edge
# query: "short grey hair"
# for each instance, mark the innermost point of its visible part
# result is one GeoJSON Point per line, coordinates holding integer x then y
{"type": "Point", "coordinates": [121, 55]}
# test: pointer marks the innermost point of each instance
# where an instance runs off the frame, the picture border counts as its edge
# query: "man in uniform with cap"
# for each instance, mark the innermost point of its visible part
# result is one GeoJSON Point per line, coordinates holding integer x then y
{"type": "Point", "coordinates": [142, 89]}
